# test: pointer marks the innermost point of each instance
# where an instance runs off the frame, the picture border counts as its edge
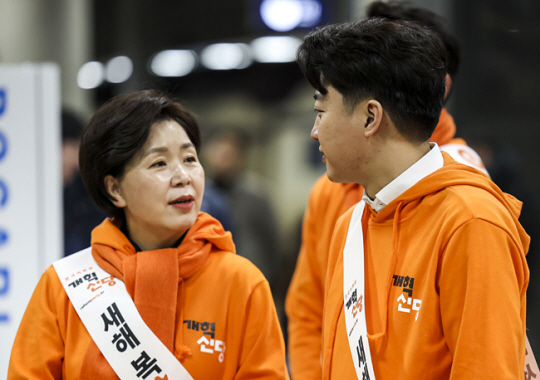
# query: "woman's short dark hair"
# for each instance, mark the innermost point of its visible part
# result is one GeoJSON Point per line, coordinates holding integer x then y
{"type": "Point", "coordinates": [399, 63]}
{"type": "Point", "coordinates": [118, 130]}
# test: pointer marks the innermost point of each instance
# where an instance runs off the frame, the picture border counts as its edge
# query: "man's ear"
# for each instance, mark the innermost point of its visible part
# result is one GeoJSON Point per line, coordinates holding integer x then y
{"type": "Point", "coordinates": [113, 189]}
{"type": "Point", "coordinates": [374, 113]}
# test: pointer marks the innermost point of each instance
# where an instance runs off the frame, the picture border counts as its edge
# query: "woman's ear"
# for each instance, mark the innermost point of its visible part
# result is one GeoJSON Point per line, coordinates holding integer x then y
{"type": "Point", "coordinates": [113, 189]}
{"type": "Point", "coordinates": [374, 112]}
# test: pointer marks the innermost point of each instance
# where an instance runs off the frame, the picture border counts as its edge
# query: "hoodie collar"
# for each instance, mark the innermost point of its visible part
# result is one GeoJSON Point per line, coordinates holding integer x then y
{"type": "Point", "coordinates": [429, 163]}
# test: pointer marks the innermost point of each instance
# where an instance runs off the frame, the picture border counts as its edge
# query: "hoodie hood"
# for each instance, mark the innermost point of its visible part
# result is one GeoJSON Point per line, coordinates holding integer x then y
{"type": "Point", "coordinates": [206, 231]}
{"type": "Point", "coordinates": [456, 174]}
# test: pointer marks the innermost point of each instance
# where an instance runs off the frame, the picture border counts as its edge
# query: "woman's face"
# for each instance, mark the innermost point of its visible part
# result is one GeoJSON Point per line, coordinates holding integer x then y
{"type": "Point", "coordinates": [162, 188]}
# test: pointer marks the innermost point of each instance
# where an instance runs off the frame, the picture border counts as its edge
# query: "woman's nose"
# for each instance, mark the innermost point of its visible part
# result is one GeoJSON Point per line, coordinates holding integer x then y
{"type": "Point", "coordinates": [180, 176]}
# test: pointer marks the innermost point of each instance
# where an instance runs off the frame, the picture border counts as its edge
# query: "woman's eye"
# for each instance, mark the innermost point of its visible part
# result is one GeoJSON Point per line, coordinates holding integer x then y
{"type": "Point", "coordinates": [157, 164]}
{"type": "Point", "coordinates": [191, 159]}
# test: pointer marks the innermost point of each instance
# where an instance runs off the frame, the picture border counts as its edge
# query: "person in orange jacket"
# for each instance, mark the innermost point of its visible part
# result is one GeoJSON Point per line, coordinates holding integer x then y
{"type": "Point", "coordinates": [199, 311]}
{"type": "Point", "coordinates": [427, 276]}
{"type": "Point", "coordinates": [329, 200]}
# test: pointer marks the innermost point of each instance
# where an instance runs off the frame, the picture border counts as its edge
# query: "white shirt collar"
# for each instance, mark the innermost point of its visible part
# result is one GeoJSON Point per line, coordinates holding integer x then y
{"type": "Point", "coordinates": [430, 162]}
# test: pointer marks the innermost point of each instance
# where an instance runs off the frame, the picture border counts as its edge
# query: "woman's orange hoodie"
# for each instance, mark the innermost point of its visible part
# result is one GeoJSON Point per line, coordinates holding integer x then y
{"type": "Point", "coordinates": [211, 308]}
{"type": "Point", "coordinates": [446, 279]}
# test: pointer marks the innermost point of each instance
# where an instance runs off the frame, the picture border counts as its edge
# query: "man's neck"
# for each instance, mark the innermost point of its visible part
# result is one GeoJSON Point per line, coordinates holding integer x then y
{"type": "Point", "coordinates": [392, 161]}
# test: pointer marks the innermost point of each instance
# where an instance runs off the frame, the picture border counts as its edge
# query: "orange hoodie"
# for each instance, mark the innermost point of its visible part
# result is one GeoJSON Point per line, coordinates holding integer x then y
{"type": "Point", "coordinates": [195, 298]}
{"type": "Point", "coordinates": [304, 302]}
{"type": "Point", "coordinates": [445, 278]}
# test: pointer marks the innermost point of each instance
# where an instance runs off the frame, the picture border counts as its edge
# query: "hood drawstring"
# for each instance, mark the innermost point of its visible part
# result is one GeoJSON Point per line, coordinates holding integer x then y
{"type": "Point", "coordinates": [391, 270]}
{"type": "Point", "coordinates": [181, 351]}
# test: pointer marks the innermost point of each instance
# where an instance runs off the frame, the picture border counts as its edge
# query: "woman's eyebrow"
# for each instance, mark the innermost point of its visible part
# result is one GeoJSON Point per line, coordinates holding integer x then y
{"type": "Point", "coordinates": [159, 149]}
{"type": "Point", "coordinates": [187, 145]}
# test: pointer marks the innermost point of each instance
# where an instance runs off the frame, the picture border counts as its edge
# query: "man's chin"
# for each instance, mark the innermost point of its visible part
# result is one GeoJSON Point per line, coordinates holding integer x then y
{"type": "Point", "coordinates": [337, 177]}
{"type": "Point", "coordinates": [332, 176]}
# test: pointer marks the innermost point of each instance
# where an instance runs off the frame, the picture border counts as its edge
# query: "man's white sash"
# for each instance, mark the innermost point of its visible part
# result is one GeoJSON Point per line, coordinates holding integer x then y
{"type": "Point", "coordinates": [353, 296]}
{"type": "Point", "coordinates": [113, 321]}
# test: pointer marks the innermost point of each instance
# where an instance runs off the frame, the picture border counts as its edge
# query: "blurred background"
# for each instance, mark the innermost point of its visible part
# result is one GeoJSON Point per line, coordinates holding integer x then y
{"type": "Point", "coordinates": [232, 63]}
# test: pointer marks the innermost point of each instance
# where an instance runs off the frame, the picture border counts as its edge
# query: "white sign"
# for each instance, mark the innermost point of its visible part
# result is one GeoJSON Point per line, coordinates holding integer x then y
{"type": "Point", "coordinates": [30, 188]}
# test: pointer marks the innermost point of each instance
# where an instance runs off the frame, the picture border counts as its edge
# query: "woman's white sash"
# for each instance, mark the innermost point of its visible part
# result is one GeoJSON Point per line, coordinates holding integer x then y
{"type": "Point", "coordinates": [354, 297]}
{"type": "Point", "coordinates": [113, 321]}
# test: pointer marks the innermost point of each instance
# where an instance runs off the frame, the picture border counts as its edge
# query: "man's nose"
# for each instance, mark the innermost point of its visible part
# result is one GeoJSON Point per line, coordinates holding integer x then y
{"type": "Point", "coordinates": [315, 130]}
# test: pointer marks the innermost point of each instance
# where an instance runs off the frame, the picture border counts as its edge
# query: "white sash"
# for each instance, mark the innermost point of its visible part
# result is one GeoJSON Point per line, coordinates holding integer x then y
{"type": "Point", "coordinates": [531, 367]}
{"type": "Point", "coordinates": [464, 154]}
{"type": "Point", "coordinates": [113, 321]}
{"type": "Point", "coordinates": [353, 296]}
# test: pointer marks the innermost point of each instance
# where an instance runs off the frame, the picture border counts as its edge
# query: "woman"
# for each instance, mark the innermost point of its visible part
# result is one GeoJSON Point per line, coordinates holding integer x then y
{"type": "Point", "coordinates": [210, 308]}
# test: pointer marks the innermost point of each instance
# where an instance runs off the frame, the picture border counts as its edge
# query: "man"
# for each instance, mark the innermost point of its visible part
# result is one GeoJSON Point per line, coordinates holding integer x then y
{"type": "Point", "coordinates": [427, 276]}
{"type": "Point", "coordinates": [328, 201]}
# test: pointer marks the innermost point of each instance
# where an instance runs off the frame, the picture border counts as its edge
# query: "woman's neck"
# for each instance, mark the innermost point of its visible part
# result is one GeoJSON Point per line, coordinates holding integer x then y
{"type": "Point", "coordinates": [139, 248]}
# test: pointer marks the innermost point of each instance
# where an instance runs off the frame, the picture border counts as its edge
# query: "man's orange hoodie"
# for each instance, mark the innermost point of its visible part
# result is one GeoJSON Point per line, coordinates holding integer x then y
{"type": "Point", "coordinates": [445, 278]}
{"type": "Point", "coordinates": [211, 308]}
{"type": "Point", "coordinates": [304, 302]}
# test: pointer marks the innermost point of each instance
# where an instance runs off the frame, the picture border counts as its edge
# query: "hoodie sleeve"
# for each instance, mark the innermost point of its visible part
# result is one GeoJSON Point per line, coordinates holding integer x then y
{"type": "Point", "coordinates": [263, 350]}
{"type": "Point", "coordinates": [483, 281]}
{"type": "Point", "coordinates": [38, 350]}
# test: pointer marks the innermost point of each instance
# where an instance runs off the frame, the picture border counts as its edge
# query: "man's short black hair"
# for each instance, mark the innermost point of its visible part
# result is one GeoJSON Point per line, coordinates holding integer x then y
{"type": "Point", "coordinates": [399, 63]}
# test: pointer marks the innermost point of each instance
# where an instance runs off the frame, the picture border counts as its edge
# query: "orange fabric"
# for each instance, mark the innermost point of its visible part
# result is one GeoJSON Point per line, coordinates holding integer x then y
{"type": "Point", "coordinates": [446, 279]}
{"type": "Point", "coordinates": [457, 140]}
{"type": "Point", "coordinates": [180, 293]}
{"type": "Point", "coordinates": [304, 302]}
{"type": "Point", "coordinates": [445, 130]}
{"type": "Point", "coordinates": [152, 278]}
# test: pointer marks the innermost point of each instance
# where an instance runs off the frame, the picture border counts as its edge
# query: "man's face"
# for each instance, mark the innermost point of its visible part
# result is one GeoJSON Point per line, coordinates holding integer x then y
{"type": "Point", "coordinates": [340, 135]}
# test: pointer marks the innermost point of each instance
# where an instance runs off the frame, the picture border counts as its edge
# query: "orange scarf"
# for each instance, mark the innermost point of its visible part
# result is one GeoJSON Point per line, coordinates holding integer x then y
{"type": "Point", "coordinates": [153, 280]}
